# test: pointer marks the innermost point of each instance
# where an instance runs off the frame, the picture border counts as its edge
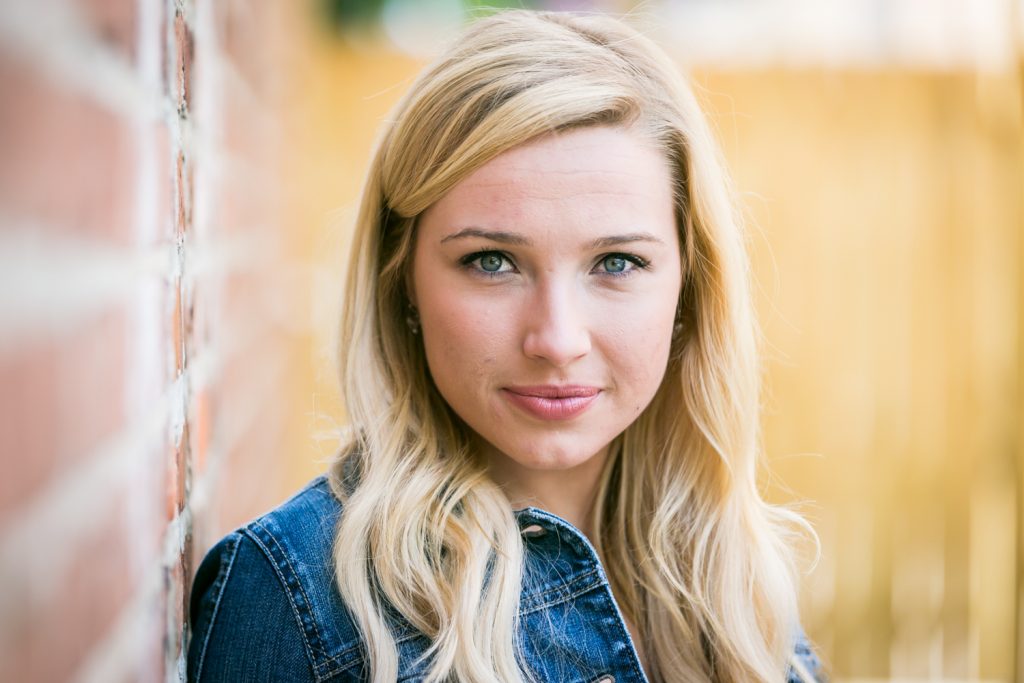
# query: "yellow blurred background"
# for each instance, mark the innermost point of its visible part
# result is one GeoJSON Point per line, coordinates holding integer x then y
{"type": "Point", "coordinates": [877, 148]}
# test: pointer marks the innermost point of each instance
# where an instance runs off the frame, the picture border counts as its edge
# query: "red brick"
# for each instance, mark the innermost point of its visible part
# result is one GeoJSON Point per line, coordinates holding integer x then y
{"type": "Point", "coordinates": [177, 332]}
{"type": "Point", "coordinates": [184, 54]}
{"type": "Point", "coordinates": [184, 172]}
{"type": "Point", "coordinates": [250, 41]}
{"type": "Point", "coordinates": [240, 296]}
{"type": "Point", "coordinates": [207, 316]}
{"type": "Point", "coordinates": [205, 532]}
{"type": "Point", "coordinates": [113, 22]}
{"type": "Point", "coordinates": [188, 322]}
{"type": "Point", "coordinates": [148, 650]}
{"type": "Point", "coordinates": [188, 567]}
{"type": "Point", "coordinates": [199, 430]}
{"type": "Point", "coordinates": [257, 459]}
{"type": "Point", "coordinates": [174, 599]}
{"type": "Point", "coordinates": [253, 102]}
{"type": "Point", "coordinates": [248, 134]}
{"type": "Point", "coordinates": [66, 161]}
{"type": "Point", "coordinates": [160, 211]}
{"type": "Point", "coordinates": [61, 398]}
{"type": "Point", "coordinates": [59, 631]}
{"type": "Point", "coordinates": [176, 474]}
{"type": "Point", "coordinates": [247, 208]}
{"type": "Point", "coordinates": [31, 385]}
{"type": "Point", "coordinates": [164, 166]}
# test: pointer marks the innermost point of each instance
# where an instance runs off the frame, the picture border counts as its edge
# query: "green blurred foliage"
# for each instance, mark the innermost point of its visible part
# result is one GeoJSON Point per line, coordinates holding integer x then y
{"type": "Point", "coordinates": [348, 14]}
{"type": "Point", "coordinates": [477, 6]}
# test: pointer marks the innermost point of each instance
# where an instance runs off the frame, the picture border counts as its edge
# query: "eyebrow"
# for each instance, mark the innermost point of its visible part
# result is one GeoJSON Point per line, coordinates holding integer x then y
{"type": "Point", "coordinates": [514, 238]}
{"type": "Point", "coordinates": [493, 235]}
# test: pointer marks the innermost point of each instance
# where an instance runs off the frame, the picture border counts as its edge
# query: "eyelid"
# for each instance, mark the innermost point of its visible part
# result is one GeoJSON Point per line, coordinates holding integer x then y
{"type": "Point", "coordinates": [467, 261]}
{"type": "Point", "coordinates": [639, 262]}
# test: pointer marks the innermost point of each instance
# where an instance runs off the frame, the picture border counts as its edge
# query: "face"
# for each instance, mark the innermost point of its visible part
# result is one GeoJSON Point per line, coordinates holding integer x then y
{"type": "Point", "coordinates": [547, 284]}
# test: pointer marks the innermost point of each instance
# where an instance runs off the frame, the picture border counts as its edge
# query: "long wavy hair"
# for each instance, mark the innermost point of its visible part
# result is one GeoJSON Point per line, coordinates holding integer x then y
{"type": "Point", "coordinates": [699, 562]}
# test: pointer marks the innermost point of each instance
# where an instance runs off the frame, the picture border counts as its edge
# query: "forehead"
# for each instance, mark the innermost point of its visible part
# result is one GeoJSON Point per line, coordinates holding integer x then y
{"type": "Point", "coordinates": [587, 180]}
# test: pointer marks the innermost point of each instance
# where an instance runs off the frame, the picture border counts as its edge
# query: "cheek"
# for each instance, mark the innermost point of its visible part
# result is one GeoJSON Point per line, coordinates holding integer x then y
{"type": "Point", "coordinates": [462, 340]}
{"type": "Point", "coordinates": [638, 348]}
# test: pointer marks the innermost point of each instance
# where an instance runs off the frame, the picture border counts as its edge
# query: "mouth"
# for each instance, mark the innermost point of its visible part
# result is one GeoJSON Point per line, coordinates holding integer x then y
{"type": "Point", "coordinates": [552, 402]}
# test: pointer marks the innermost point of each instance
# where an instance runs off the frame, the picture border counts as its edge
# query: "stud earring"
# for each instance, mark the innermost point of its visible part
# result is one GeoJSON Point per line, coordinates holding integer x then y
{"type": "Point", "coordinates": [679, 326]}
{"type": "Point", "coordinates": [412, 319]}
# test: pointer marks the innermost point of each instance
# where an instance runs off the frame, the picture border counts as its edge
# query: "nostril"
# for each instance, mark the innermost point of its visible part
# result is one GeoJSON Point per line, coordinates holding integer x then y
{"type": "Point", "coordinates": [533, 531]}
{"type": "Point", "coordinates": [556, 332]}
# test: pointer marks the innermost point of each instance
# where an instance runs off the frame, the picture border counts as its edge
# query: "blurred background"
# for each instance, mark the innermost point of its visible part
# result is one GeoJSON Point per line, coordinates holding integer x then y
{"type": "Point", "coordinates": [178, 180]}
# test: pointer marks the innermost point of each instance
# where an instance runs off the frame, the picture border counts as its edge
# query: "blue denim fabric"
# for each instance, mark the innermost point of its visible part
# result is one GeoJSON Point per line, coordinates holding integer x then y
{"type": "Point", "coordinates": [264, 605]}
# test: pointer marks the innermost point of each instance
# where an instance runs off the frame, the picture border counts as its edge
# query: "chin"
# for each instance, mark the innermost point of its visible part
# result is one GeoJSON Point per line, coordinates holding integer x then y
{"type": "Point", "coordinates": [554, 457]}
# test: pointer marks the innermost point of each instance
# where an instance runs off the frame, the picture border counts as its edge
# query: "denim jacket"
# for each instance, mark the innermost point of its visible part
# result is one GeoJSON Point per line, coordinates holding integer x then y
{"type": "Point", "coordinates": [265, 607]}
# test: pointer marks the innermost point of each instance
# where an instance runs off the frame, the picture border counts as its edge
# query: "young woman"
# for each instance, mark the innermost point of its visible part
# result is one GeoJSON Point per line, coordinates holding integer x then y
{"type": "Point", "coordinates": [550, 368]}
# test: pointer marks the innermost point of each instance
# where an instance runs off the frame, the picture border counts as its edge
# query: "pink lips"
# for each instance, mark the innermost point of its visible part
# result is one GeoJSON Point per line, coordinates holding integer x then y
{"type": "Point", "coordinates": [551, 401]}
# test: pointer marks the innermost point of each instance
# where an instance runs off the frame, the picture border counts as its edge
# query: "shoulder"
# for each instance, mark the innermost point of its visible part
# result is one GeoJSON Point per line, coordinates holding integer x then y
{"type": "Point", "coordinates": [264, 604]}
{"type": "Point", "coordinates": [805, 666]}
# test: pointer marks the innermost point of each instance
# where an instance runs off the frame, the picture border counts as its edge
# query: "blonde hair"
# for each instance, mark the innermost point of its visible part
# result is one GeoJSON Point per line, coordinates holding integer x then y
{"type": "Point", "coordinates": [699, 562]}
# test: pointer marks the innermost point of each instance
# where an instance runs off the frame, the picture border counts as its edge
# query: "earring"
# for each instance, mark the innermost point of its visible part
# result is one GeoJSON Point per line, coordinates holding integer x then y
{"type": "Point", "coordinates": [412, 319]}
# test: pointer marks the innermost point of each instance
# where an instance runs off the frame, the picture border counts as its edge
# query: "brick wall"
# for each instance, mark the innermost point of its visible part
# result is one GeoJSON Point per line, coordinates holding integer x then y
{"type": "Point", "coordinates": [144, 318]}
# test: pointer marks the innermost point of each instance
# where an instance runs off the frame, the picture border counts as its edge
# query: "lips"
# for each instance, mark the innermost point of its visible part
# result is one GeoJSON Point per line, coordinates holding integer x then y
{"type": "Point", "coordinates": [552, 402]}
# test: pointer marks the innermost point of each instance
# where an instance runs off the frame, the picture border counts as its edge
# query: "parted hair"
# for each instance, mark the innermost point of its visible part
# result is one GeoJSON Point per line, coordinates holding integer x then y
{"type": "Point", "coordinates": [698, 560]}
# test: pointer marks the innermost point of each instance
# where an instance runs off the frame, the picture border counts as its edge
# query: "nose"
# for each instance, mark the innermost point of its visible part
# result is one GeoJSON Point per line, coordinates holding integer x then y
{"type": "Point", "coordinates": [556, 327]}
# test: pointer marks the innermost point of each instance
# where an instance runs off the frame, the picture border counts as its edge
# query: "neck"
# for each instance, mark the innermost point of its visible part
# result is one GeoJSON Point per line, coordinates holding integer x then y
{"type": "Point", "coordinates": [568, 493]}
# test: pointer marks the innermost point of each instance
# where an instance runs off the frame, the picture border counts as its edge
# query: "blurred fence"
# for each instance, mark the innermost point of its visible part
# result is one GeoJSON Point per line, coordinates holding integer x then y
{"type": "Point", "coordinates": [888, 251]}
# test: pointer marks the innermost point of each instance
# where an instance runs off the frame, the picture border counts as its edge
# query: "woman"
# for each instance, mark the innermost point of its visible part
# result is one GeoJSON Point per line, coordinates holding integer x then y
{"type": "Point", "coordinates": [550, 369]}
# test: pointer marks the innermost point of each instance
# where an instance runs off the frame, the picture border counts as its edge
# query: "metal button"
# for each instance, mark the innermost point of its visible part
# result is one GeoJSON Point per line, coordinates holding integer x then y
{"type": "Point", "coordinates": [534, 531]}
{"type": "Point", "coordinates": [606, 679]}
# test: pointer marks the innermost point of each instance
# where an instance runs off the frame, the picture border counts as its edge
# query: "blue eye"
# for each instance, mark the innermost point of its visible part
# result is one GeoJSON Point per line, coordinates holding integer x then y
{"type": "Point", "coordinates": [614, 264]}
{"type": "Point", "coordinates": [488, 263]}
{"type": "Point", "coordinates": [491, 263]}
{"type": "Point", "coordinates": [621, 265]}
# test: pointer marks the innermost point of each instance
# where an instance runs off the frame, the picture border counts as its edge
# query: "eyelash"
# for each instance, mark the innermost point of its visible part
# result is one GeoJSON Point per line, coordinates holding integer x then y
{"type": "Point", "coordinates": [638, 262]}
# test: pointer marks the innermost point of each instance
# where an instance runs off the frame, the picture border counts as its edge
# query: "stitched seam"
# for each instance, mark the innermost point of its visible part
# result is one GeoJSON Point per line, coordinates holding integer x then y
{"type": "Point", "coordinates": [287, 561]}
{"type": "Point", "coordinates": [284, 584]}
{"type": "Point", "coordinates": [223, 582]}
{"type": "Point", "coordinates": [563, 593]}
{"type": "Point", "coordinates": [327, 659]}
{"type": "Point", "coordinates": [564, 597]}
{"type": "Point", "coordinates": [562, 590]}
{"type": "Point", "coordinates": [634, 663]}
{"type": "Point", "coordinates": [335, 659]}
{"type": "Point", "coordinates": [322, 486]}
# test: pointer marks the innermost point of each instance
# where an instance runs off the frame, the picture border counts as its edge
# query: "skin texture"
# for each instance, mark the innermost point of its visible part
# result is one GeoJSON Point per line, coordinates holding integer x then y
{"type": "Point", "coordinates": [560, 310]}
